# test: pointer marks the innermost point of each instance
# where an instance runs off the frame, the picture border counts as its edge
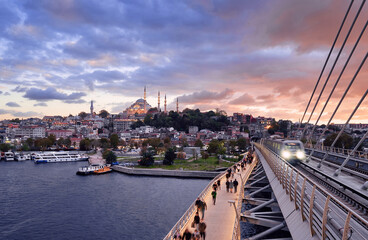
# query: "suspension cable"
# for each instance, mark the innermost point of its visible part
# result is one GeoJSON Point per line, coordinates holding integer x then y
{"type": "Point", "coordinates": [334, 64]}
{"type": "Point", "coordinates": [328, 57]}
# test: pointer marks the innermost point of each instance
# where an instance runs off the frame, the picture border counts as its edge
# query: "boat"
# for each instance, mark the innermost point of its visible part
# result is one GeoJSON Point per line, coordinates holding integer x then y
{"type": "Point", "coordinates": [105, 169]}
{"type": "Point", "coordinates": [9, 156]}
{"type": "Point", "coordinates": [20, 157]}
{"type": "Point", "coordinates": [53, 157]}
{"type": "Point", "coordinates": [87, 170]}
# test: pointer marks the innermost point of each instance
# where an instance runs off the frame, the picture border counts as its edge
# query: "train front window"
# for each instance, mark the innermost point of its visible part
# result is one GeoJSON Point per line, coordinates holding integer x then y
{"type": "Point", "coordinates": [292, 146]}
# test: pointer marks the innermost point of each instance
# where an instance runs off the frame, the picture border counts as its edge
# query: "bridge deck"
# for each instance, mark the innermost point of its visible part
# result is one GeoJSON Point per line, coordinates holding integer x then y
{"type": "Point", "coordinates": [220, 218]}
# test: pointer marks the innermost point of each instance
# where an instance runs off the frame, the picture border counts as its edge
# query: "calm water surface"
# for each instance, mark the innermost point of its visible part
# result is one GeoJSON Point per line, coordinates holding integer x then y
{"type": "Point", "coordinates": [49, 201]}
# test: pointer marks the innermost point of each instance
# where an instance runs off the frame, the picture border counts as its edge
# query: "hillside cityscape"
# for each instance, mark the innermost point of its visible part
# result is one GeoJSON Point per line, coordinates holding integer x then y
{"type": "Point", "coordinates": [142, 126]}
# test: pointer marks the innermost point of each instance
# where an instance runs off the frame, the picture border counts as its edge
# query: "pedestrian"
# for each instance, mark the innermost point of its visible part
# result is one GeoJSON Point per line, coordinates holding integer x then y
{"type": "Point", "coordinates": [187, 235]}
{"type": "Point", "coordinates": [196, 235]}
{"type": "Point", "coordinates": [219, 184]}
{"type": "Point", "coordinates": [203, 208]}
{"type": "Point", "coordinates": [196, 220]}
{"type": "Point", "coordinates": [231, 186]}
{"type": "Point", "coordinates": [177, 235]}
{"type": "Point", "coordinates": [214, 193]}
{"type": "Point", "coordinates": [202, 229]}
{"type": "Point", "coordinates": [214, 186]}
{"type": "Point", "coordinates": [227, 185]}
{"type": "Point", "coordinates": [242, 166]}
{"type": "Point", "coordinates": [198, 204]}
{"type": "Point", "coordinates": [235, 185]}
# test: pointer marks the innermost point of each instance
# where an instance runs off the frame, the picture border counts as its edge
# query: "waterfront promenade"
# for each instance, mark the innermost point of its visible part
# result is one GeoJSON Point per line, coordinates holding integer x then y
{"type": "Point", "coordinates": [220, 218]}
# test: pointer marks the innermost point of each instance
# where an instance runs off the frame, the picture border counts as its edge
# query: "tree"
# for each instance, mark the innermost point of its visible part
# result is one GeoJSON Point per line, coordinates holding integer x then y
{"type": "Point", "coordinates": [169, 157]}
{"type": "Point", "coordinates": [67, 142]}
{"type": "Point", "coordinates": [213, 146]}
{"type": "Point", "coordinates": [52, 139]}
{"type": "Point", "coordinates": [198, 143]}
{"type": "Point", "coordinates": [147, 159]}
{"type": "Point", "coordinates": [242, 143]}
{"type": "Point", "coordinates": [114, 140]}
{"type": "Point", "coordinates": [60, 142]}
{"type": "Point", "coordinates": [137, 124]}
{"type": "Point", "coordinates": [4, 147]}
{"type": "Point", "coordinates": [232, 146]}
{"type": "Point", "coordinates": [104, 142]}
{"type": "Point", "coordinates": [103, 113]}
{"type": "Point", "coordinates": [30, 142]}
{"type": "Point", "coordinates": [83, 115]}
{"type": "Point", "coordinates": [205, 155]}
{"type": "Point", "coordinates": [109, 156]}
{"type": "Point", "coordinates": [85, 144]}
{"type": "Point", "coordinates": [345, 140]}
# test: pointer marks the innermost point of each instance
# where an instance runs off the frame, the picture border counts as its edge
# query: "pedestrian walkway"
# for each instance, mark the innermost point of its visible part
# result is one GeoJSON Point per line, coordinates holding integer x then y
{"type": "Point", "coordinates": [220, 218]}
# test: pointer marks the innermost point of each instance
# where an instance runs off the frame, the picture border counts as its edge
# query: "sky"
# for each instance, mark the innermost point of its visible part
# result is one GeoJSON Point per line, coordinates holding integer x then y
{"type": "Point", "coordinates": [256, 57]}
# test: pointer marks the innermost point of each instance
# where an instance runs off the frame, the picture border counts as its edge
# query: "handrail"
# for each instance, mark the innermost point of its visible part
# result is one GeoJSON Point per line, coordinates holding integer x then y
{"type": "Point", "coordinates": [236, 231]}
{"type": "Point", "coordinates": [327, 216]}
{"type": "Point", "coordinates": [343, 151]}
{"type": "Point", "coordinates": [192, 209]}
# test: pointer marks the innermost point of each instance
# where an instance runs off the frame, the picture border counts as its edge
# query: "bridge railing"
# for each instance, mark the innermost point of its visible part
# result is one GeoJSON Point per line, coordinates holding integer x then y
{"type": "Point", "coordinates": [183, 221]}
{"type": "Point", "coordinates": [327, 216]}
{"type": "Point", "coordinates": [237, 228]}
{"type": "Point", "coordinates": [343, 151]}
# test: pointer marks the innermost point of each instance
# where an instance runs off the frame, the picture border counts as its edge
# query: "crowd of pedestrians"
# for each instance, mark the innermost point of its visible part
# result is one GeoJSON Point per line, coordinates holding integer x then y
{"type": "Point", "coordinates": [231, 184]}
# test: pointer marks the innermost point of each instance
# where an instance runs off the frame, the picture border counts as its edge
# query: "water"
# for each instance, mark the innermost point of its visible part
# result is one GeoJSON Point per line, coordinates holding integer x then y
{"type": "Point", "coordinates": [49, 201]}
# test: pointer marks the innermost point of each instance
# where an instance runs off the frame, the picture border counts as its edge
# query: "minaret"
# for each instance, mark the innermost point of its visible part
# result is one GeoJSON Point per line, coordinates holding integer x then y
{"type": "Point", "coordinates": [165, 104]}
{"type": "Point", "coordinates": [158, 105]}
{"type": "Point", "coordinates": [145, 99]}
{"type": "Point", "coordinates": [91, 108]}
{"type": "Point", "coordinates": [177, 105]}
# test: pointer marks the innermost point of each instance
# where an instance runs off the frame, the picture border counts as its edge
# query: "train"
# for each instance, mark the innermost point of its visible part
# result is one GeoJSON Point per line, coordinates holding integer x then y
{"type": "Point", "coordinates": [291, 151]}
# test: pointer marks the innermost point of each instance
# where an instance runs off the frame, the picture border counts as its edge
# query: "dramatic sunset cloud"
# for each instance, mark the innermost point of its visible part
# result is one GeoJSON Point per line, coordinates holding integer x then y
{"type": "Point", "coordinates": [257, 57]}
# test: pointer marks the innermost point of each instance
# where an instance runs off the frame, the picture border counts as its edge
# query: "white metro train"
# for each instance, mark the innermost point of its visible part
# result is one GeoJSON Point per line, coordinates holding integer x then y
{"type": "Point", "coordinates": [290, 150]}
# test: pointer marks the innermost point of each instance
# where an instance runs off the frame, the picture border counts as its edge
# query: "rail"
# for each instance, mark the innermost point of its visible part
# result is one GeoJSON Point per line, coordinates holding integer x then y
{"type": "Point", "coordinates": [328, 217]}
{"type": "Point", "coordinates": [192, 209]}
{"type": "Point", "coordinates": [236, 231]}
{"type": "Point", "coordinates": [343, 151]}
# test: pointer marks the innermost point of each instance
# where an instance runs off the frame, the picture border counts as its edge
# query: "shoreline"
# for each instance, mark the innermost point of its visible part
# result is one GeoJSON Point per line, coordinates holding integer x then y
{"type": "Point", "coordinates": [165, 173]}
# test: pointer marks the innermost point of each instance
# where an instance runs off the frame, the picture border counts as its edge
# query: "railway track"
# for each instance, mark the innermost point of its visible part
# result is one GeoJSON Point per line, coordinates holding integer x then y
{"type": "Point", "coordinates": [355, 199]}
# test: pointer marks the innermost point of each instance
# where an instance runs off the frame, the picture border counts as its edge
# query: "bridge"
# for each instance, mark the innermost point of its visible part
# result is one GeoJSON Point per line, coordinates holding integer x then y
{"type": "Point", "coordinates": [325, 196]}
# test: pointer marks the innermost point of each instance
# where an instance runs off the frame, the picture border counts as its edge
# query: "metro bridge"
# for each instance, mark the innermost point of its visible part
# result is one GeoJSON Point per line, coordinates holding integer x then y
{"type": "Point", "coordinates": [288, 202]}
{"type": "Point", "coordinates": [323, 197]}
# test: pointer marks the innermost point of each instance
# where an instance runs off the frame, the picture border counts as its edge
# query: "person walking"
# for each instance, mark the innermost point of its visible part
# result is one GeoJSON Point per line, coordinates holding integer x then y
{"type": "Point", "coordinates": [214, 194]}
{"type": "Point", "coordinates": [187, 235]}
{"type": "Point", "coordinates": [203, 208]}
{"type": "Point", "coordinates": [196, 220]}
{"type": "Point", "coordinates": [198, 203]}
{"type": "Point", "coordinates": [227, 185]}
{"type": "Point", "coordinates": [196, 235]}
{"type": "Point", "coordinates": [235, 185]}
{"type": "Point", "coordinates": [231, 186]}
{"type": "Point", "coordinates": [219, 184]}
{"type": "Point", "coordinates": [202, 229]}
{"type": "Point", "coordinates": [214, 186]}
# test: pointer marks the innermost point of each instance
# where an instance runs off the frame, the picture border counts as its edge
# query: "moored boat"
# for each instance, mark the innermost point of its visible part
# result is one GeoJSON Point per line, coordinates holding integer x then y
{"type": "Point", "coordinates": [105, 169]}
{"type": "Point", "coordinates": [48, 157]}
{"type": "Point", "coordinates": [87, 170]}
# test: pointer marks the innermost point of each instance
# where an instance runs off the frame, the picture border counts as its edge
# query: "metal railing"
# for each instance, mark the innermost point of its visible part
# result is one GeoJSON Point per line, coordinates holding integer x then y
{"type": "Point", "coordinates": [192, 209]}
{"type": "Point", "coordinates": [328, 217]}
{"type": "Point", "coordinates": [342, 151]}
{"type": "Point", "coordinates": [236, 231]}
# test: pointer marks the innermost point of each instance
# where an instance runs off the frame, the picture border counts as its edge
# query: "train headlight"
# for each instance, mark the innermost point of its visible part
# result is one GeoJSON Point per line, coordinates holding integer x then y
{"type": "Point", "coordinates": [286, 154]}
{"type": "Point", "coordinates": [300, 154]}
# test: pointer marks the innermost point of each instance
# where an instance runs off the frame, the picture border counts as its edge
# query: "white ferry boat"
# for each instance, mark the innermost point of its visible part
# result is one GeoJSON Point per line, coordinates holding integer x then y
{"type": "Point", "coordinates": [9, 156]}
{"type": "Point", "coordinates": [47, 157]}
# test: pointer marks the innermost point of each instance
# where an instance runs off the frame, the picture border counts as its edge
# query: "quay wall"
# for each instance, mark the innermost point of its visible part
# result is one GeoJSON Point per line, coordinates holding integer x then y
{"type": "Point", "coordinates": [166, 173]}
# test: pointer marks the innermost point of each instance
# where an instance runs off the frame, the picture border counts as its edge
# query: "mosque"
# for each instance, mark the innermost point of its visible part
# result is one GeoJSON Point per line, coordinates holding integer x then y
{"type": "Point", "coordinates": [141, 107]}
